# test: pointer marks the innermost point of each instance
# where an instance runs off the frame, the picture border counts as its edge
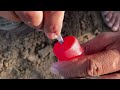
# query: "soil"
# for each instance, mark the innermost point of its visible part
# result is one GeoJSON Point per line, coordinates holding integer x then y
{"type": "Point", "coordinates": [27, 54]}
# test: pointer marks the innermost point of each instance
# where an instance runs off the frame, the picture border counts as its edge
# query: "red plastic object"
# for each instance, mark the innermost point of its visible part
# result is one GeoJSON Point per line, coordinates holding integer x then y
{"type": "Point", "coordinates": [70, 49]}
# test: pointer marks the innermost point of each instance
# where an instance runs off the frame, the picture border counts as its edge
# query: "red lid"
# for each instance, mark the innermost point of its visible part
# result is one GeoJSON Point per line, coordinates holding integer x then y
{"type": "Point", "coordinates": [68, 50]}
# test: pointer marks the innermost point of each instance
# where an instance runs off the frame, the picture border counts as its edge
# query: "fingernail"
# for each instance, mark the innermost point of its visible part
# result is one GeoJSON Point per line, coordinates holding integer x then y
{"type": "Point", "coordinates": [52, 35]}
{"type": "Point", "coordinates": [54, 71]}
{"type": "Point", "coordinates": [115, 28]}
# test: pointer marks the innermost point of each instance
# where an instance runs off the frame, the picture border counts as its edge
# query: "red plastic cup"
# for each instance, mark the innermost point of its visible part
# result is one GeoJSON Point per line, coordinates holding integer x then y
{"type": "Point", "coordinates": [68, 50]}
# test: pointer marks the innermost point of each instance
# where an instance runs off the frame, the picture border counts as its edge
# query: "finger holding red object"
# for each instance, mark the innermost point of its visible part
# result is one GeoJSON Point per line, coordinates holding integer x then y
{"type": "Point", "coordinates": [53, 21]}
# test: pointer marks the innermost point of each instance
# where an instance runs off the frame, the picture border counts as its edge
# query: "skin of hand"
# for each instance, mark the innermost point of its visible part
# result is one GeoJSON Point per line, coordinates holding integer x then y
{"type": "Point", "coordinates": [48, 21]}
{"type": "Point", "coordinates": [102, 56]}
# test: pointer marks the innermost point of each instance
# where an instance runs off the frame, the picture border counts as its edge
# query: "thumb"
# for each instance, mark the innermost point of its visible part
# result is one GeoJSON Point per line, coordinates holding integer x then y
{"type": "Point", "coordinates": [92, 65]}
{"type": "Point", "coordinates": [99, 43]}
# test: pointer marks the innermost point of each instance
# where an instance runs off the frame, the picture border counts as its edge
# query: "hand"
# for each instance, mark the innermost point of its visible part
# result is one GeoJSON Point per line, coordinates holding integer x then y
{"type": "Point", "coordinates": [49, 21]}
{"type": "Point", "coordinates": [102, 56]}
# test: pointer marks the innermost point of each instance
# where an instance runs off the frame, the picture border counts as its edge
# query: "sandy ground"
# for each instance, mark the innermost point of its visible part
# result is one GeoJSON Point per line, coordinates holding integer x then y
{"type": "Point", "coordinates": [27, 54]}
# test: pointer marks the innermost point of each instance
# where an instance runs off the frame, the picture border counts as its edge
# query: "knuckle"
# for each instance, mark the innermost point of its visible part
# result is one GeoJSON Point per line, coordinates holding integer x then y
{"type": "Point", "coordinates": [92, 69]}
